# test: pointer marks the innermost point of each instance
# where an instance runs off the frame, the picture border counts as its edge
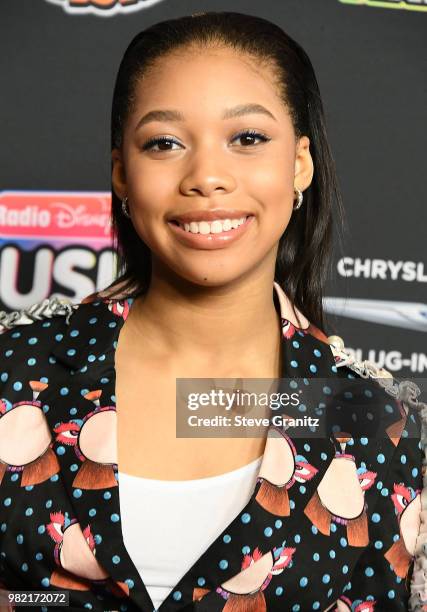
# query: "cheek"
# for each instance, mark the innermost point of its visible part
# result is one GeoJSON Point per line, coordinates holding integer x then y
{"type": "Point", "coordinates": [278, 217]}
{"type": "Point", "coordinates": [272, 187]}
{"type": "Point", "coordinates": [151, 189]}
{"type": "Point", "coordinates": [276, 213]}
{"type": "Point", "coordinates": [151, 200]}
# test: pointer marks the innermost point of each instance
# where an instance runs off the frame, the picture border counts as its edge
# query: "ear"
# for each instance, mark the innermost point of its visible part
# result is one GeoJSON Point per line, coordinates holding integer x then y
{"type": "Point", "coordinates": [118, 175]}
{"type": "Point", "coordinates": [304, 167]}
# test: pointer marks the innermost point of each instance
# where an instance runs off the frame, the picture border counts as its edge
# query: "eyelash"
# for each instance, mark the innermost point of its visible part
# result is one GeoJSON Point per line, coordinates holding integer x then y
{"type": "Point", "coordinates": [153, 141]}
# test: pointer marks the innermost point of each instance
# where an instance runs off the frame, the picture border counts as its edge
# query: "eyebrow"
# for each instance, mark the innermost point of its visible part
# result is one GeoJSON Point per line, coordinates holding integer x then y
{"type": "Point", "coordinates": [229, 113]}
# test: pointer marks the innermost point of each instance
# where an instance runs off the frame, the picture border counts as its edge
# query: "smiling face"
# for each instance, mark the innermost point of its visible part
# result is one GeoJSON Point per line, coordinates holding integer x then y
{"type": "Point", "coordinates": [245, 164]}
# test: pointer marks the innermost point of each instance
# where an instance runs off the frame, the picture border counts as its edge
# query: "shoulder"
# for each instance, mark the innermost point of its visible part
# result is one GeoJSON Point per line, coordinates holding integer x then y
{"type": "Point", "coordinates": [30, 332]}
{"type": "Point", "coordinates": [28, 335]}
{"type": "Point", "coordinates": [52, 308]}
{"type": "Point", "coordinates": [38, 342]}
{"type": "Point", "coordinates": [406, 391]}
{"type": "Point", "coordinates": [39, 311]}
{"type": "Point", "coordinates": [52, 313]}
{"type": "Point", "coordinates": [37, 330]}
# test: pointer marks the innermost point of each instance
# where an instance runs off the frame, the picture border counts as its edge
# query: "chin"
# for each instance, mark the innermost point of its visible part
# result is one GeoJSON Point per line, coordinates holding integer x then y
{"type": "Point", "coordinates": [214, 278]}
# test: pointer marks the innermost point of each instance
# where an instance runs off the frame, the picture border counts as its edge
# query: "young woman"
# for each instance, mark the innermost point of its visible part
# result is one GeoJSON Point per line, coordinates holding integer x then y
{"type": "Point", "coordinates": [224, 196]}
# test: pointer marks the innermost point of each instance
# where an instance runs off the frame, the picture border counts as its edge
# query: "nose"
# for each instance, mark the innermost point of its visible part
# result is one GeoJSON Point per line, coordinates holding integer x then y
{"type": "Point", "coordinates": [205, 179]}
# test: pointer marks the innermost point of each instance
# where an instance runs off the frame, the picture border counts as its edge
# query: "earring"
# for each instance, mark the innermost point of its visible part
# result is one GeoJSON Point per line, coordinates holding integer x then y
{"type": "Point", "coordinates": [125, 207]}
{"type": "Point", "coordinates": [299, 198]}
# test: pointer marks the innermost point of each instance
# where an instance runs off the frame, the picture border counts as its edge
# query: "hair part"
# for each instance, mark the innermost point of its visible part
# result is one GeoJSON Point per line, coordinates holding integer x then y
{"type": "Point", "coordinates": [304, 257]}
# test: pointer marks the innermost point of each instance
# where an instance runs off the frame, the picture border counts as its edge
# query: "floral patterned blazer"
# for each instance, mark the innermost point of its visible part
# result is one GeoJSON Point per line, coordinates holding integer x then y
{"type": "Point", "coordinates": [332, 523]}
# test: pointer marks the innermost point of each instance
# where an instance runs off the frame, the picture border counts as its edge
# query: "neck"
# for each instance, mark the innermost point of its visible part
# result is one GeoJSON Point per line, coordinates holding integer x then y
{"type": "Point", "coordinates": [219, 327]}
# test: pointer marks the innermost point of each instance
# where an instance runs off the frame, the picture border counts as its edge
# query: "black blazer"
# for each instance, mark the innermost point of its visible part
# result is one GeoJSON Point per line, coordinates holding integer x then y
{"type": "Point", "coordinates": [331, 523]}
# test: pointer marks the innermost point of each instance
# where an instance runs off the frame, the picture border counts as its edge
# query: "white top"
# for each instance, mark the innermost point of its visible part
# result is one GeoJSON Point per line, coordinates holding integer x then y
{"type": "Point", "coordinates": [168, 524]}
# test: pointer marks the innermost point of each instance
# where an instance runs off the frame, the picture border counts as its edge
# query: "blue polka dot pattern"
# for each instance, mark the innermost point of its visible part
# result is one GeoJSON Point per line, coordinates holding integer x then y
{"type": "Point", "coordinates": [63, 500]}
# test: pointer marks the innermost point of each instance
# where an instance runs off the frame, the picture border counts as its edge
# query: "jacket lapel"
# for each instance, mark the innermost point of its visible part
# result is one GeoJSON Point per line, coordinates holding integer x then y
{"type": "Point", "coordinates": [85, 428]}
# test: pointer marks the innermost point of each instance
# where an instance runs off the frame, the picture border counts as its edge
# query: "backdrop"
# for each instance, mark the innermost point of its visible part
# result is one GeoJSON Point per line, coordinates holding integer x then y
{"type": "Point", "coordinates": [58, 63]}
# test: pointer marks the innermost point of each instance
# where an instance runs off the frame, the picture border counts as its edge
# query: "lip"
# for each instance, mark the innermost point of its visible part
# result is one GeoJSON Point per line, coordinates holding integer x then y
{"type": "Point", "coordinates": [209, 215]}
{"type": "Point", "coordinates": [211, 241]}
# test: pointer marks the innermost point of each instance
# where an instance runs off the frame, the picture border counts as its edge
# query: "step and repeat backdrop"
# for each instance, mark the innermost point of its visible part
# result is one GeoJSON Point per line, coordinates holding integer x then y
{"type": "Point", "coordinates": [58, 63]}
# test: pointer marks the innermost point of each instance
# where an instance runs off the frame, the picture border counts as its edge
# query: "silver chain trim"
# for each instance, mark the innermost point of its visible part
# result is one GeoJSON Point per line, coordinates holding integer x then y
{"type": "Point", "coordinates": [48, 308]}
{"type": "Point", "coordinates": [406, 391]}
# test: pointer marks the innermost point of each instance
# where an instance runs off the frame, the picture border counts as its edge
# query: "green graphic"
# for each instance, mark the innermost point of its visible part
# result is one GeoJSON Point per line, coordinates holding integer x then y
{"type": "Point", "coordinates": [408, 5]}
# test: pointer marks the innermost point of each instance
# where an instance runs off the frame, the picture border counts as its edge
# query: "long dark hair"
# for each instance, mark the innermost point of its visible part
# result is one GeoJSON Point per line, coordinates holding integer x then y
{"type": "Point", "coordinates": [305, 249]}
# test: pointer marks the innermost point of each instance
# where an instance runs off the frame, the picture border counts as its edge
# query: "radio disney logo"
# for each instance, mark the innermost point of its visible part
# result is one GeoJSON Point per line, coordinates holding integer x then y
{"type": "Point", "coordinates": [408, 5]}
{"type": "Point", "coordinates": [103, 8]}
{"type": "Point", "coordinates": [67, 217]}
{"type": "Point", "coordinates": [31, 214]}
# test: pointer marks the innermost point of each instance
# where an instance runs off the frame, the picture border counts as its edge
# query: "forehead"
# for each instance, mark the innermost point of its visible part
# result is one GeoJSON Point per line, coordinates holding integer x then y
{"type": "Point", "coordinates": [207, 80]}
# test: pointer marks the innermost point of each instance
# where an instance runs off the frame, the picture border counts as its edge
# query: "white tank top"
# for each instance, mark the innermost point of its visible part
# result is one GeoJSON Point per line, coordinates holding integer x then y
{"type": "Point", "coordinates": [168, 524]}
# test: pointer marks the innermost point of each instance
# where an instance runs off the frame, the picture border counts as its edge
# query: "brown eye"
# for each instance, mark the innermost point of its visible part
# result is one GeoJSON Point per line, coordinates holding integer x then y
{"type": "Point", "coordinates": [247, 136]}
{"type": "Point", "coordinates": [162, 141]}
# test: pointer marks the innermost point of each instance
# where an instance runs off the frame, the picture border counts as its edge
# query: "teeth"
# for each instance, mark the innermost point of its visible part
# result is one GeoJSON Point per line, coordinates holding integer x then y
{"type": "Point", "coordinates": [217, 226]}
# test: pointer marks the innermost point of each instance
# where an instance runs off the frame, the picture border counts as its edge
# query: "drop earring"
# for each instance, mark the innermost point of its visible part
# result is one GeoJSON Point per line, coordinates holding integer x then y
{"type": "Point", "coordinates": [125, 208]}
{"type": "Point", "coordinates": [299, 198]}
